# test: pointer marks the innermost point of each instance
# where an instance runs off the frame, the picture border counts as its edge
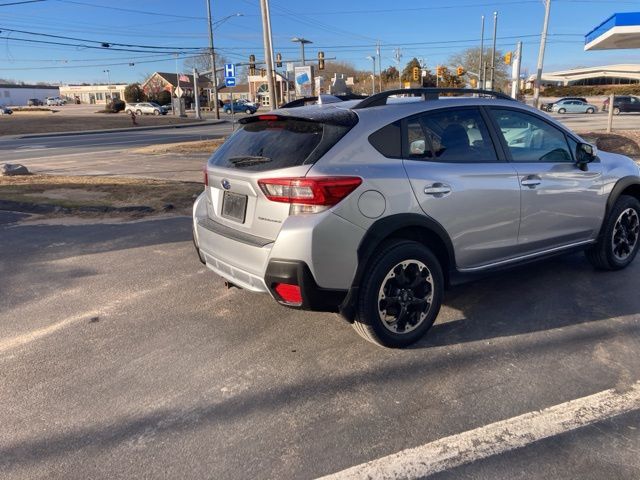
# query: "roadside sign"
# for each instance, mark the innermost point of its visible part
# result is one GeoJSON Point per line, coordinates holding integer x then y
{"type": "Point", "coordinates": [230, 81]}
{"type": "Point", "coordinates": [229, 70]}
{"type": "Point", "coordinates": [178, 91]}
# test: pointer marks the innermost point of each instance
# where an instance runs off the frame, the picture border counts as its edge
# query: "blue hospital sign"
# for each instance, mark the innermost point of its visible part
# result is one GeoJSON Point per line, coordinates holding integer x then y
{"type": "Point", "coordinates": [229, 70]}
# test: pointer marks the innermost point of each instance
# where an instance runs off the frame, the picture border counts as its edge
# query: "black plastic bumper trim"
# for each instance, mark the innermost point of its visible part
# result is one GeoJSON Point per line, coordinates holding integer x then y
{"type": "Point", "coordinates": [233, 234]}
{"type": "Point", "coordinates": [298, 273]}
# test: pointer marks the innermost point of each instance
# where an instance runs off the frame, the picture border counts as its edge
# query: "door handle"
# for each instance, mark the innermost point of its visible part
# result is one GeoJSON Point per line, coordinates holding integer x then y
{"type": "Point", "coordinates": [531, 181]}
{"type": "Point", "coordinates": [437, 189]}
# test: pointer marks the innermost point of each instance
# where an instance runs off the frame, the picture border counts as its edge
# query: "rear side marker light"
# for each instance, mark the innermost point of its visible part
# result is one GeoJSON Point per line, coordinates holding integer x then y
{"type": "Point", "coordinates": [289, 293]}
{"type": "Point", "coordinates": [318, 191]}
{"type": "Point", "coordinates": [267, 117]}
{"type": "Point", "coordinates": [205, 174]}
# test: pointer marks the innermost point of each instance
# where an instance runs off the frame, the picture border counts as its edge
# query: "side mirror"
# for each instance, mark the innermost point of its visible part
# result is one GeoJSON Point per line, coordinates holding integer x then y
{"type": "Point", "coordinates": [585, 153]}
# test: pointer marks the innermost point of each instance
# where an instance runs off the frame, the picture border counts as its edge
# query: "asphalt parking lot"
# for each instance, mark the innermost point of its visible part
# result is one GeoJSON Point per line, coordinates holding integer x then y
{"type": "Point", "coordinates": [121, 356]}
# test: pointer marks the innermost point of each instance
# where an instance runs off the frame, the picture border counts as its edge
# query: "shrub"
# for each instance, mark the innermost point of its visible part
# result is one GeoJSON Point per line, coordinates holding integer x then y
{"type": "Point", "coordinates": [134, 94]}
{"type": "Point", "coordinates": [162, 98]}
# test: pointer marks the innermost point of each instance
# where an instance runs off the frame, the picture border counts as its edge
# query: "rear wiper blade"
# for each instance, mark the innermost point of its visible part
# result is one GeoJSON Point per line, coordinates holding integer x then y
{"type": "Point", "coordinates": [248, 160]}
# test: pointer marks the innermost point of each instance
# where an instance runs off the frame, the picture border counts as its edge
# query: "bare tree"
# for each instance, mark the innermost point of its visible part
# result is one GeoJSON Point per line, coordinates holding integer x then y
{"type": "Point", "coordinates": [469, 59]}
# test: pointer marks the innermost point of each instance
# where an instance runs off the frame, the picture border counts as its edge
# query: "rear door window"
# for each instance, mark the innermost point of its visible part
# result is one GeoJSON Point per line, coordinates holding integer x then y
{"type": "Point", "coordinates": [452, 135]}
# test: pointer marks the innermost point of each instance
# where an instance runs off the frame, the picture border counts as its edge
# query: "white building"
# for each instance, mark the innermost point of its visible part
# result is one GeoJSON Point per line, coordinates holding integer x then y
{"type": "Point", "coordinates": [19, 95]}
{"type": "Point", "coordinates": [622, 74]}
{"type": "Point", "coordinates": [93, 94]}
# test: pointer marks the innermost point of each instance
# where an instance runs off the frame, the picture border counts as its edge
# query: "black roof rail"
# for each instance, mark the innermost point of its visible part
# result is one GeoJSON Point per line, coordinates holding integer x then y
{"type": "Point", "coordinates": [300, 102]}
{"type": "Point", "coordinates": [427, 94]}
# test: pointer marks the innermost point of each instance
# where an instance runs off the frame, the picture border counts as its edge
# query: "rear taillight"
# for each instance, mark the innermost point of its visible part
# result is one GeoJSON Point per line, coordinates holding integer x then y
{"type": "Point", "coordinates": [323, 192]}
{"type": "Point", "coordinates": [289, 293]}
{"type": "Point", "coordinates": [205, 174]}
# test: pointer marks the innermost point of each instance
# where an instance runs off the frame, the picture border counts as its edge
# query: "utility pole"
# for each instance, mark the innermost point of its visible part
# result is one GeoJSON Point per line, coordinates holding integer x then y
{"type": "Point", "coordinates": [379, 67]}
{"type": "Point", "coordinates": [268, 52]}
{"type": "Point", "coordinates": [543, 42]}
{"type": "Point", "coordinates": [481, 67]}
{"type": "Point", "coordinates": [515, 72]}
{"type": "Point", "coordinates": [214, 77]}
{"type": "Point", "coordinates": [397, 55]}
{"type": "Point", "coordinates": [493, 51]}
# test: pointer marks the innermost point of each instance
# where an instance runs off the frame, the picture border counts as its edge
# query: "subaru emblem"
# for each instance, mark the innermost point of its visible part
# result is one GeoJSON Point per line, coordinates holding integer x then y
{"type": "Point", "coordinates": [225, 184]}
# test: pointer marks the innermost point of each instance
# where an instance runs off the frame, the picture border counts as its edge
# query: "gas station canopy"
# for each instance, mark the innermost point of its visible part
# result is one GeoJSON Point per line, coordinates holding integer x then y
{"type": "Point", "coordinates": [620, 30]}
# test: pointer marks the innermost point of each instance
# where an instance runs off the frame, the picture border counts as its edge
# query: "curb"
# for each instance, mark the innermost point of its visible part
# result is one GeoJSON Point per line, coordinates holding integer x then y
{"type": "Point", "coordinates": [112, 130]}
{"type": "Point", "coordinates": [24, 207]}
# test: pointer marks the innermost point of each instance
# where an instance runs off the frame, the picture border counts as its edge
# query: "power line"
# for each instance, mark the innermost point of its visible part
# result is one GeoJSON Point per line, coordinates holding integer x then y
{"type": "Point", "coordinates": [20, 3]}
{"type": "Point", "coordinates": [81, 46]}
{"type": "Point", "coordinates": [103, 44]}
{"type": "Point", "coordinates": [130, 10]}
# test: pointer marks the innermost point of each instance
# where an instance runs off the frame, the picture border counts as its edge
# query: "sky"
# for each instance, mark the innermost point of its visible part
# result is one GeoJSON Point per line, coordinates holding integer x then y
{"type": "Point", "coordinates": [429, 29]}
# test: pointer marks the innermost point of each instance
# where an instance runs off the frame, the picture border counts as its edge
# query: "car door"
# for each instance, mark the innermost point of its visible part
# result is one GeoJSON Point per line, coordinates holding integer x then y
{"type": "Point", "coordinates": [561, 204]}
{"type": "Point", "coordinates": [462, 182]}
{"type": "Point", "coordinates": [634, 104]}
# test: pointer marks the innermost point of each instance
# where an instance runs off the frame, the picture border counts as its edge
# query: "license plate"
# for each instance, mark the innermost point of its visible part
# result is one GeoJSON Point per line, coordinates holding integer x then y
{"type": "Point", "coordinates": [234, 206]}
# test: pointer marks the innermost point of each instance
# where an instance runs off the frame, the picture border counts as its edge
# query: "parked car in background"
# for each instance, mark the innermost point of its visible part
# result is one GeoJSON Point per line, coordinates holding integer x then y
{"type": "Point", "coordinates": [547, 107]}
{"type": "Point", "coordinates": [248, 102]}
{"type": "Point", "coordinates": [372, 207]}
{"type": "Point", "coordinates": [55, 101]}
{"type": "Point", "coordinates": [573, 106]}
{"type": "Point", "coordinates": [622, 104]}
{"type": "Point", "coordinates": [34, 102]}
{"type": "Point", "coordinates": [145, 108]}
{"type": "Point", "coordinates": [5, 111]}
{"type": "Point", "coordinates": [238, 106]}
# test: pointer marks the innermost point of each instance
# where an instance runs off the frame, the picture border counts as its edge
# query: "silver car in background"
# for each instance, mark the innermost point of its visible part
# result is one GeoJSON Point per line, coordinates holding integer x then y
{"type": "Point", "coordinates": [573, 106]}
{"type": "Point", "coordinates": [372, 208]}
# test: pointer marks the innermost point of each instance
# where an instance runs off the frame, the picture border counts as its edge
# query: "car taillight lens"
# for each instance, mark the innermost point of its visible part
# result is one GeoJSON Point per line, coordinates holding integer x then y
{"type": "Point", "coordinates": [313, 191]}
{"type": "Point", "coordinates": [289, 293]}
{"type": "Point", "coordinates": [205, 174]}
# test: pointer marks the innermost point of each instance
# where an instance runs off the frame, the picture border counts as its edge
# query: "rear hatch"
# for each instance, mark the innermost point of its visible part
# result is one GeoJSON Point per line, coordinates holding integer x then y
{"type": "Point", "coordinates": [272, 146]}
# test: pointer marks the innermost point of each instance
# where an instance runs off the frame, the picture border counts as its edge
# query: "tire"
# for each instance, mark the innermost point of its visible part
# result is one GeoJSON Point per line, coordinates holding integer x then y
{"type": "Point", "coordinates": [618, 243]}
{"type": "Point", "coordinates": [248, 111]}
{"type": "Point", "coordinates": [414, 262]}
{"type": "Point", "coordinates": [138, 112]}
{"type": "Point", "coordinates": [562, 110]}
{"type": "Point", "coordinates": [616, 111]}
{"type": "Point", "coordinates": [156, 112]}
{"type": "Point", "coordinates": [128, 112]}
{"type": "Point", "coordinates": [227, 111]}
{"type": "Point", "coordinates": [590, 110]}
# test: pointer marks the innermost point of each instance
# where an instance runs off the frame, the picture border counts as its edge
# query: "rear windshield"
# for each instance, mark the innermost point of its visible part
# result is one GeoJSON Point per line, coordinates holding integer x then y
{"type": "Point", "coordinates": [273, 144]}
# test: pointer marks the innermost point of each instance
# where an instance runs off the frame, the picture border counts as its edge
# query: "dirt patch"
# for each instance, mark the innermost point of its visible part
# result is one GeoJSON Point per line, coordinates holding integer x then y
{"type": "Point", "coordinates": [198, 146]}
{"type": "Point", "coordinates": [46, 122]}
{"type": "Point", "coordinates": [90, 196]}
{"type": "Point", "coordinates": [625, 142]}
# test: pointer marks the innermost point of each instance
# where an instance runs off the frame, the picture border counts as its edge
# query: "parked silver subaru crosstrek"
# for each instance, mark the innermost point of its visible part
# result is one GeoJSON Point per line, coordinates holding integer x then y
{"type": "Point", "coordinates": [371, 207]}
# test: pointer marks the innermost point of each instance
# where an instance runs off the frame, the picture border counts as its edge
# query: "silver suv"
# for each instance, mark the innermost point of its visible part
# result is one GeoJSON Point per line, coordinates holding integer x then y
{"type": "Point", "coordinates": [372, 207]}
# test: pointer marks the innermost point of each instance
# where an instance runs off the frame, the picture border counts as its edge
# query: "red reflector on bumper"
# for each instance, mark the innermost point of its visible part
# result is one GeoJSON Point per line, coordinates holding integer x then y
{"type": "Point", "coordinates": [289, 293]}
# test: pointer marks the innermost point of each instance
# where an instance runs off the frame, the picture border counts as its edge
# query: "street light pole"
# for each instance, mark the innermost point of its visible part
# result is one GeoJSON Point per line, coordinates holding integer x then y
{"type": "Point", "coordinates": [373, 77]}
{"type": "Point", "coordinates": [379, 67]}
{"type": "Point", "coordinates": [302, 42]}
{"type": "Point", "coordinates": [481, 68]}
{"type": "Point", "coordinates": [268, 52]}
{"type": "Point", "coordinates": [493, 51]}
{"type": "Point", "coordinates": [212, 56]}
{"type": "Point", "coordinates": [543, 42]}
{"type": "Point", "coordinates": [108, 72]}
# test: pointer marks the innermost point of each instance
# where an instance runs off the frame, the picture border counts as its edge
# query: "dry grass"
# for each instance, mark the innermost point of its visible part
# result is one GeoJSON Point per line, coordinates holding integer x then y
{"type": "Point", "coordinates": [198, 146]}
{"type": "Point", "coordinates": [625, 142]}
{"type": "Point", "coordinates": [75, 192]}
{"type": "Point", "coordinates": [45, 122]}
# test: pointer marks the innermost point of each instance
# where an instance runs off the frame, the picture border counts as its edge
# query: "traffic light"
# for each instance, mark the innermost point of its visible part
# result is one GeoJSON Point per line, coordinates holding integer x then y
{"type": "Point", "coordinates": [252, 64]}
{"type": "Point", "coordinates": [416, 73]}
{"type": "Point", "coordinates": [263, 72]}
{"type": "Point", "coordinates": [320, 60]}
{"type": "Point", "coordinates": [507, 58]}
{"type": "Point", "coordinates": [278, 60]}
{"type": "Point", "coordinates": [460, 71]}
{"type": "Point", "coordinates": [474, 82]}
{"type": "Point", "coordinates": [440, 71]}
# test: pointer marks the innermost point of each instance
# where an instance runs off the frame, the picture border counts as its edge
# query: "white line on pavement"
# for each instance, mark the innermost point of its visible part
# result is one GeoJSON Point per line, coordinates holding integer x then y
{"type": "Point", "coordinates": [495, 438]}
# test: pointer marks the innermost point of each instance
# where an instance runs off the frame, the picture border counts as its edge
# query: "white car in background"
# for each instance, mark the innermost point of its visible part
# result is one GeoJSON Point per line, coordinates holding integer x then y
{"type": "Point", "coordinates": [145, 108]}
{"type": "Point", "coordinates": [55, 101]}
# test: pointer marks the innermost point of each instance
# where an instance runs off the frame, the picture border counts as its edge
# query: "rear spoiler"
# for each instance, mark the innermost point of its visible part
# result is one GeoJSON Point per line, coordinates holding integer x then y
{"type": "Point", "coordinates": [322, 100]}
{"type": "Point", "coordinates": [345, 118]}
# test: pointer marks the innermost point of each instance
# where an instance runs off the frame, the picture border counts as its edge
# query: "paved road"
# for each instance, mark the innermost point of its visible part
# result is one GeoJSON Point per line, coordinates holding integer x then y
{"type": "Point", "coordinates": [55, 146]}
{"type": "Point", "coordinates": [122, 357]}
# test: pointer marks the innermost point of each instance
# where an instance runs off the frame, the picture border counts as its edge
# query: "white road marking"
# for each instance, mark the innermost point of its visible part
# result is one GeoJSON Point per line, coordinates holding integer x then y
{"type": "Point", "coordinates": [496, 438]}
